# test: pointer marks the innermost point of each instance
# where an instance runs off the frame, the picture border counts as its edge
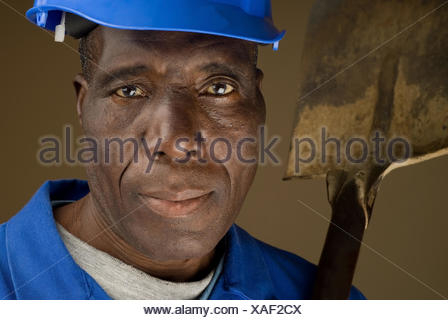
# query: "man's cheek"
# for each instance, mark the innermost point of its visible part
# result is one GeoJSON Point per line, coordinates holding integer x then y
{"type": "Point", "coordinates": [103, 185]}
{"type": "Point", "coordinates": [220, 150]}
{"type": "Point", "coordinates": [106, 176]}
{"type": "Point", "coordinates": [247, 151]}
{"type": "Point", "coordinates": [101, 117]}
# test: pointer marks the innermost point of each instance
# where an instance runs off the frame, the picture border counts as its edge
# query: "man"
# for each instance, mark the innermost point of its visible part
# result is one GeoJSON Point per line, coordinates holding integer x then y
{"type": "Point", "coordinates": [177, 83]}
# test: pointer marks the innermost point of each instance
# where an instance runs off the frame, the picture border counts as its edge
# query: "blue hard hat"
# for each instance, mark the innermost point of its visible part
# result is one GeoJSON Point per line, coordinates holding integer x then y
{"type": "Point", "coordinates": [243, 19]}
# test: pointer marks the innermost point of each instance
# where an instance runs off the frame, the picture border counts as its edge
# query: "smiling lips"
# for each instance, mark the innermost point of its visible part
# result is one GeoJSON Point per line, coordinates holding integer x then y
{"type": "Point", "coordinates": [175, 204]}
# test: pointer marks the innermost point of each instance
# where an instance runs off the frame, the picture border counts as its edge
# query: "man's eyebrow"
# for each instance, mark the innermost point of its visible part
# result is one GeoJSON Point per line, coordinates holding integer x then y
{"type": "Point", "coordinates": [215, 67]}
{"type": "Point", "coordinates": [120, 74]}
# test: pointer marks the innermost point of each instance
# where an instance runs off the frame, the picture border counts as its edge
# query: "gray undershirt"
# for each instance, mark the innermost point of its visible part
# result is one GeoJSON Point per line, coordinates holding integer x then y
{"type": "Point", "coordinates": [124, 282]}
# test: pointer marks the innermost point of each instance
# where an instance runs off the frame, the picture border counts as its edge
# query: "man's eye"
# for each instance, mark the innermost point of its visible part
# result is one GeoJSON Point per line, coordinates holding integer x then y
{"type": "Point", "coordinates": [130, 92]}
{"type": "Point", "coordinates": [220, 89]}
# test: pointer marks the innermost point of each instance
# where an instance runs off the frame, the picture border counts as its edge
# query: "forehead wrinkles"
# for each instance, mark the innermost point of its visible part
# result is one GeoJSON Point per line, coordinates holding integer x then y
{"type": "Point", "coordinates": [174, 37]}
{"type": "Point", "coordinates": [173, 47]}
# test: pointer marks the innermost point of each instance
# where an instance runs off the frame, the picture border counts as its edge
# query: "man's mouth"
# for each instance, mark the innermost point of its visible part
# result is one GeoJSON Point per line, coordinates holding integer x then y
{"type": "Point", "coordinates": [175, 204]}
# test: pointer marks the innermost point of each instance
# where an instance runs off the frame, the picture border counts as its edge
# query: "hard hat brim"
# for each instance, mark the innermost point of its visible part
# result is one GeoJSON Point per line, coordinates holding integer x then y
{"type": "Point", "coordinates": [217, 19]}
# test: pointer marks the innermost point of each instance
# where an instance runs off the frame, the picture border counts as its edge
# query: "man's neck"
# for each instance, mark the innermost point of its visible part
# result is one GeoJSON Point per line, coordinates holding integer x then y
{"type": "Point", "coordinates": [84, 221]}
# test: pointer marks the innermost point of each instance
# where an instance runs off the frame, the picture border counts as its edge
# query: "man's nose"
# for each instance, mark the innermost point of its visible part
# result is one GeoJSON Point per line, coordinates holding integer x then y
{"type": "Point", "coordinates": [173, 124]}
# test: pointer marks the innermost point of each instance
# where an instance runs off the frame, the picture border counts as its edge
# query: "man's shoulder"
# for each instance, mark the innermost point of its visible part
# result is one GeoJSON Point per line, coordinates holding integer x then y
{"type": "Point", "coordinates": [291, 275]}
{"type": "Point", "coordinates": [6, 286]}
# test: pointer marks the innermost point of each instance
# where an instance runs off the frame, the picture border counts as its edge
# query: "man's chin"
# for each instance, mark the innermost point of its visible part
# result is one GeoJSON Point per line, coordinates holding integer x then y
{"type": "Point", "coordinates": [175, 241]}
{"type": "Point", "coordinates": [181, 250]}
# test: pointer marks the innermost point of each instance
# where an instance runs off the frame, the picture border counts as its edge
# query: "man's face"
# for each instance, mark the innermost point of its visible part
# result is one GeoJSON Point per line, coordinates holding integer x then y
{"type": "Point", "coordinates": [161, 89]}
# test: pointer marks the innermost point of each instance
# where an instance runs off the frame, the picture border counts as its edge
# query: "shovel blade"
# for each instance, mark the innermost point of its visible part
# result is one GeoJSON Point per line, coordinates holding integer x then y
{"type": "Point", "coordinates": [373, 86]}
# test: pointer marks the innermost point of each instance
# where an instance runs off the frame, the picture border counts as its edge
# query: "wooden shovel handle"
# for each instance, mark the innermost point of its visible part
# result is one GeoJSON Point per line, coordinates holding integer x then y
{"type": "Point", "coordinates": [342, 245]}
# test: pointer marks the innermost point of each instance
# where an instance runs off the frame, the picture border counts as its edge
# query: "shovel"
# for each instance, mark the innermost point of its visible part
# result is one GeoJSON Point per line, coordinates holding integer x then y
{"type": "Point", "coordinates": [373, 98]}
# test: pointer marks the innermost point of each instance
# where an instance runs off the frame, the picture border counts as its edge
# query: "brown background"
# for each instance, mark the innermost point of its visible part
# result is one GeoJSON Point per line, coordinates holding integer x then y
{"type": "Point", "coordinates": [406, 251]}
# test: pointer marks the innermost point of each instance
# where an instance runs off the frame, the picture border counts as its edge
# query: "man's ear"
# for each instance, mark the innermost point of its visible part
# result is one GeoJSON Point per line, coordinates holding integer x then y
{"type": "Point", "coordinates": [81, 87]}
{"type": "Point", "coordinates": [260, 77]}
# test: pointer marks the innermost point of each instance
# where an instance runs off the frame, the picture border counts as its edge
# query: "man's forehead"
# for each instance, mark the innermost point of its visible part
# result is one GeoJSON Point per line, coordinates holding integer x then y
{"type": "Point", "coordinates": [153, 38]}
